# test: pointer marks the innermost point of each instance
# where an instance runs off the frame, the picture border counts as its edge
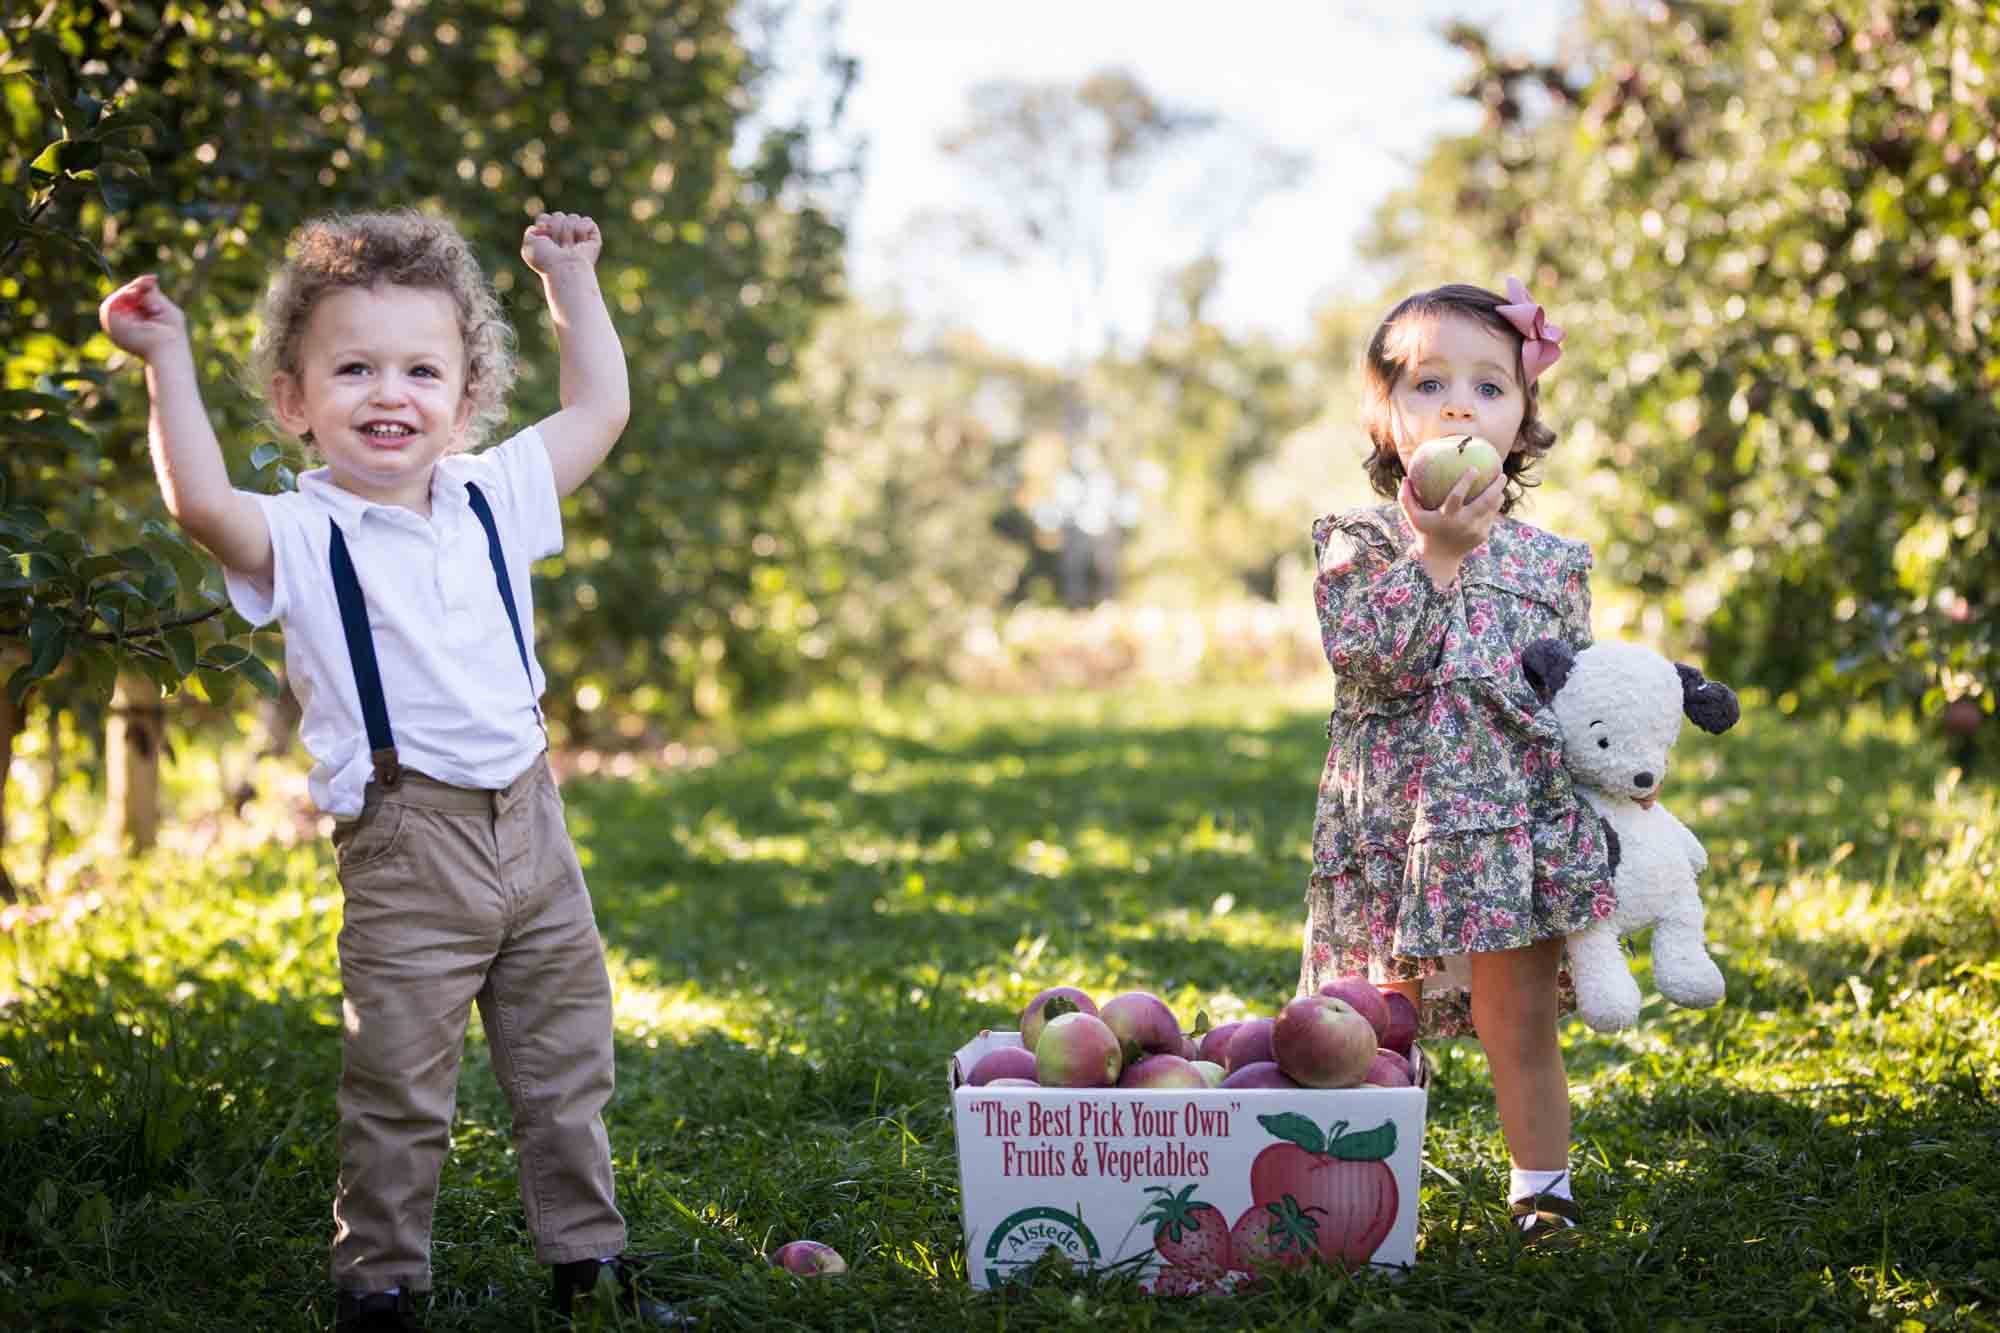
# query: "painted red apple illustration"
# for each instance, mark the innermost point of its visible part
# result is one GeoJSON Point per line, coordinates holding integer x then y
{"type": "Point", "coordinates": [1339, 1181]}
{"type": "Point", "coordinates": [1191, 1238]}
{"type": "Point", "coordinates": [1280, 1233]}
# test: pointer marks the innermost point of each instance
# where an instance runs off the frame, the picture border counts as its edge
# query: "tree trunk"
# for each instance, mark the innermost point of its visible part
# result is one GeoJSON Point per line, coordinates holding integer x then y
{"type": "Point", "coordinates": [10, 726]}
{"type": "Point", "coordinates": [280, 719]}
{"type": "Point", "coordinates": [132, 743]}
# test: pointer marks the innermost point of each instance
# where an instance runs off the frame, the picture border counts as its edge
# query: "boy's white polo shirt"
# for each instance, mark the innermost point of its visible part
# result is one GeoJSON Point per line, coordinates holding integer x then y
{"type": "Point", "coordinates": [460, 706]}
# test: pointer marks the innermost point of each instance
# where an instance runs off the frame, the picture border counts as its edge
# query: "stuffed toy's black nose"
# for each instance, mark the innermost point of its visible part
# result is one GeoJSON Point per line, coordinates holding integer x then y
{"type": "Point", "coordinates": [1642, 779]}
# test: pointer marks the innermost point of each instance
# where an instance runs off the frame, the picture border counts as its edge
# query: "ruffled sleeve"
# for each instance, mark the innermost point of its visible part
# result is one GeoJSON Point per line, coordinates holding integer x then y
{"type": "Point", "coordinates": [1382, 621]}
{"type": "Point", "coordinates": [1576, 595]}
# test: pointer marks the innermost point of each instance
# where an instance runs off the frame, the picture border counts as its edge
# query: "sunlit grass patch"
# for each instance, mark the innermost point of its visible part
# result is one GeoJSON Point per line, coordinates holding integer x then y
{"type": "Point", "coordinates": [802, 928]}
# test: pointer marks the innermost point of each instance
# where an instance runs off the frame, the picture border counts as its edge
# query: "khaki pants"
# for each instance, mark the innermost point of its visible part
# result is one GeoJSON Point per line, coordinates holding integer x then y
{"type": "Point", "coordinates": [455, 896]}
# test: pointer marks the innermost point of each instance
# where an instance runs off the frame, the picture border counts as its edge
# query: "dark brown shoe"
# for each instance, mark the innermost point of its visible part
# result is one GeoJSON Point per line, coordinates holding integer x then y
{"type": "Point", "coordinates": [1556, 1225]}
{"type": "Point", "coordinates": [375, 1312]}
{"type": "Point", "coordinates": [571, 1280]}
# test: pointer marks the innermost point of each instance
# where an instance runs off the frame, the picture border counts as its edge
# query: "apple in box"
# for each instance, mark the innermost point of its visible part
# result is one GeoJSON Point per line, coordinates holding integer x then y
{"type": "Point", "coordinates": [1362, 996]}
{"type": "Point", "coordinates": [1322, 1042]}
{"type": "Point", "coordinates": [1144, 1024]}
{"type": "Point", "coordinates": [1077, 1050]}
{"type": "Point", "coordinates": [1052, 1003]}
{"type": "Point", "coordinates": [1162, 1071]}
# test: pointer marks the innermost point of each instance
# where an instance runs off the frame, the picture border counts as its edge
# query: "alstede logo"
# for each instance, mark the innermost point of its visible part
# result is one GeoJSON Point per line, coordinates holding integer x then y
{"type": "Point", "coordinates": [1027, 1237]}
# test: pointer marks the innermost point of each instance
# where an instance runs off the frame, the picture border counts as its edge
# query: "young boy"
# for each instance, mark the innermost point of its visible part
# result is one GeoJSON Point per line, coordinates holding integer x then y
{"type": "Point", "coordinates": [399, 571]}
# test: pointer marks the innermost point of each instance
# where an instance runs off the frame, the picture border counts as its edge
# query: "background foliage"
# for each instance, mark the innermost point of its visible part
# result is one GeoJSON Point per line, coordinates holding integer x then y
{"type": "Point", "coordinates": [1771, 228]}
{"type": "Point", "coordinates": [189, 139]}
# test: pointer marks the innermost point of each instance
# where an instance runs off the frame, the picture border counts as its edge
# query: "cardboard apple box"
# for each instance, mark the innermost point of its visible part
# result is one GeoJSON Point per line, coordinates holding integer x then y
{"type": "Point", "coordinates": [1112, 1178]}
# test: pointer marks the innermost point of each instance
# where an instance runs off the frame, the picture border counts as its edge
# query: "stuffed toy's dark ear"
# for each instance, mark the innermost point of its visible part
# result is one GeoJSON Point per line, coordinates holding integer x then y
{"type": "Point", "coordinates": [1546, 664]}
{"type": "Point", "coordinates": [1709, 704]}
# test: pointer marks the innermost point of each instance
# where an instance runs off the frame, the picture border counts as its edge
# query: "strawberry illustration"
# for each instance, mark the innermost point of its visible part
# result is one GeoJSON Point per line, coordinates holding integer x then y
{"type": "Point", "coordinates": [1192, 1237]}
{"type": "Point", "coordinates": [1273, 1234]}
{"type": "Point", "coordinates": [1341, 1178]}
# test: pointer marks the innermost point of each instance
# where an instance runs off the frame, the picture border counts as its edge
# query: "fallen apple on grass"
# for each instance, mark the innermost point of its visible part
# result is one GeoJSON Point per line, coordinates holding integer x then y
{"type": "Point", "coordinates": [808, 1258]}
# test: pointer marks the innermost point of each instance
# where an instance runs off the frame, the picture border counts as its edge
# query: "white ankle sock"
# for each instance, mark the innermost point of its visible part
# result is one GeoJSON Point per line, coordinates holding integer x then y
{"type": "Point", "coordinates": [1527, 1184]}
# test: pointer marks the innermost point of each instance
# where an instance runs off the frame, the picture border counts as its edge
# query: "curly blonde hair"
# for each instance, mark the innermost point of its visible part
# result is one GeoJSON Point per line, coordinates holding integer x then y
{"type": "Point", "coordinates": [403, 248]}
{"type": "Point", "coordinates": [1396, 347]}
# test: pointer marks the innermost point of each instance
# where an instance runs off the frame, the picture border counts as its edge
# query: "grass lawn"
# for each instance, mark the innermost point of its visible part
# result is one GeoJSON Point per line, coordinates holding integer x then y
{"type": "Point", "coordinates": [803, 930]}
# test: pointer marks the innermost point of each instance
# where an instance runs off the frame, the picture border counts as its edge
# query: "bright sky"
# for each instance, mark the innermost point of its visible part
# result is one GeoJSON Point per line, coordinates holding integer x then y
{"type": "Point", "coordinates": [1359, 86]}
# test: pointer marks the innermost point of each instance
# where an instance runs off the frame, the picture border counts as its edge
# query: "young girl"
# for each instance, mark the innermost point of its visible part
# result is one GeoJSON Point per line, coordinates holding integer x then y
{"type": "Point", "coordinates": [1448, 846]}
{"type": "Point", "coordinates": [399, 572]}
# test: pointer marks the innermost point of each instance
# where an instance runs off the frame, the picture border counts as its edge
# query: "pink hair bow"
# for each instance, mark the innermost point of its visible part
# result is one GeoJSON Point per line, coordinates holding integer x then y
{"type": "Point", "coordinates": [1540, 340]}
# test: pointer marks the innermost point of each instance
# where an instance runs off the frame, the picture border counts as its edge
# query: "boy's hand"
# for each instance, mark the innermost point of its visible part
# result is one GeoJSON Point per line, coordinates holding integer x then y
{"type": "Point", "coordinates": [556, 239]}
{"type": "Point", "coordinates": [138, 318]}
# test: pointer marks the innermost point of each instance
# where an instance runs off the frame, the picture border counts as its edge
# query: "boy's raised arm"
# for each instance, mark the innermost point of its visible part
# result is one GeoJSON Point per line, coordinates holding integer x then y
{"type": "Point", "coordinates": [596, 399]}
{"type": "Point", "coordinates": [194, 481]}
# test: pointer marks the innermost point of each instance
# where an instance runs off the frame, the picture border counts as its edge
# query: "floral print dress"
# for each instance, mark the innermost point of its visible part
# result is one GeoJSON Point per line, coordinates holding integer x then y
{"type": "Point", "coordinates": [1446, 823]}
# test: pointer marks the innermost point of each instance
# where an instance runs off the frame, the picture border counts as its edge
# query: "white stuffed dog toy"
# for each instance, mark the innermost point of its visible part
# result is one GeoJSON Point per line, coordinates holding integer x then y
{"type": "Point", "coordinates": [1619, 707]}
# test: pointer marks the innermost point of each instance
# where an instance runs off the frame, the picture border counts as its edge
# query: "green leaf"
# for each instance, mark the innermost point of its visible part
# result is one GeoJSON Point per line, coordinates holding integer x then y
{"type": "Point", "coordinates": [126, 121]}
{"type": "Point", "coordinates": [158, 670]}
{"type": "Point", "coordinates": [259, 675]}
{"type": "Point", "coordinates": [50, 429]}
{"type": "Point", "coordinates": [80, 155]}
{"type": "Point", "coordinates": [28, 400]}
{"type": "Point", "coordinates": [48, 641]}
{"type": "Point", "coordinates": [98, 565]}
{"type": "Point", "coordinates": [1368, 1145]}
{"type": "Point", "coordinates": [182, 649]}
{"type": "Point", "coordinates": [159, 587]}
{"type": "Point", "coordinates": [1294, 1128]}
{"type": "Point", "coordinates": [217, 686]}
{"type": "Point", "coordinates": [189, 567]}
{"type": "Point", "coordinates": [225, 656]}
{"type": "Point", "coordinates": [29, 518]}
{"type": "Point", "coordinates": [97, 670]}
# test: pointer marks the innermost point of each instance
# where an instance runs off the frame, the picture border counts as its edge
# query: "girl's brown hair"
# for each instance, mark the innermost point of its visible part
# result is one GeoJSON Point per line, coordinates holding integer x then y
{"type": "Point", "coordinates": [1395, 349]}
{"type": "Point", "coordinates": [403, 248]}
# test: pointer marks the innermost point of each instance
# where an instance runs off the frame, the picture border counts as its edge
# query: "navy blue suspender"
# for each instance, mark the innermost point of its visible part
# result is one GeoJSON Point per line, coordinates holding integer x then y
{"type": "Point", "coordinates": [361, 644]}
